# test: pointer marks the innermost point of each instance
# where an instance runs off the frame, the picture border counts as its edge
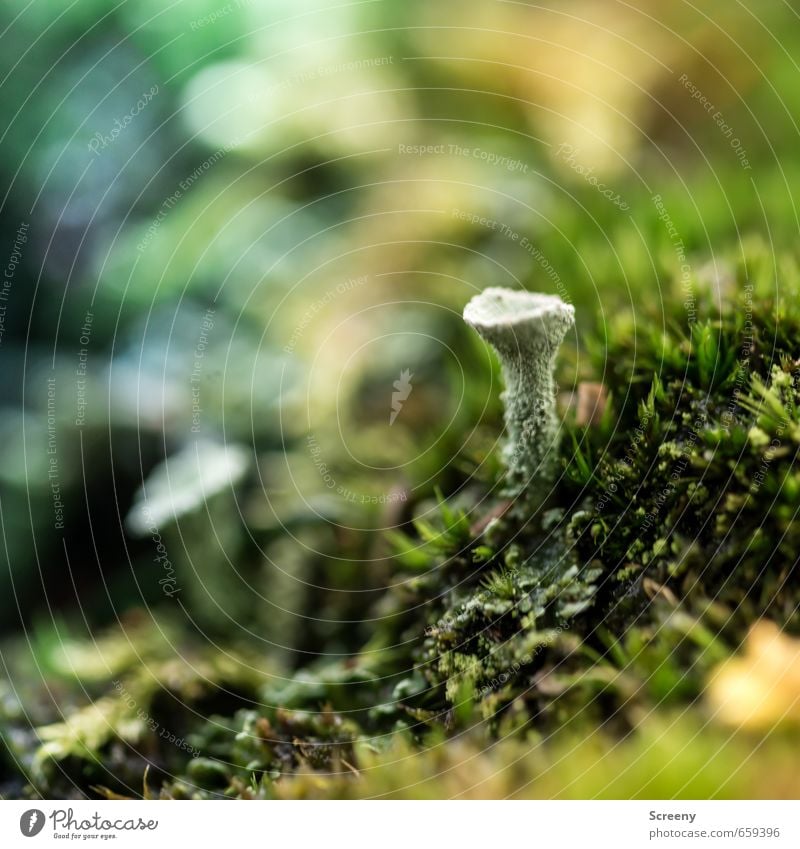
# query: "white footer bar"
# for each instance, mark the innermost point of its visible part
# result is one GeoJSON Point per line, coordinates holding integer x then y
{"type": "Point", "coordinates": [402, 825]}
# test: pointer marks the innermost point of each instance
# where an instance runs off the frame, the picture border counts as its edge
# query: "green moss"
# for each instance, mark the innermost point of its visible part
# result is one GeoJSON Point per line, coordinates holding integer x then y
{"type": "Point", "coordinates": [670, 530]}
{"type": "Point", "coordinates": [687, 490]}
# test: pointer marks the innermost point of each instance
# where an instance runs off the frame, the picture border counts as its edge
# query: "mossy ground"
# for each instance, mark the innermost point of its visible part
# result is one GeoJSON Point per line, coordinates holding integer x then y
{"type": "Point", "coordinates": [563, 651]}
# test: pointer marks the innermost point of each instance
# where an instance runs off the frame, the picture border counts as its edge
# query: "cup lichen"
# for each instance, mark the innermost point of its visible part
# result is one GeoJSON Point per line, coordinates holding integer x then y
{"type": "Point", "coordinates": [526, 329]}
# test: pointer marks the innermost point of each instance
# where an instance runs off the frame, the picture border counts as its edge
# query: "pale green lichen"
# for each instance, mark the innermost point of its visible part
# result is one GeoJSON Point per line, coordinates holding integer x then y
{"type": "Point", "coordinates": [526, 329]}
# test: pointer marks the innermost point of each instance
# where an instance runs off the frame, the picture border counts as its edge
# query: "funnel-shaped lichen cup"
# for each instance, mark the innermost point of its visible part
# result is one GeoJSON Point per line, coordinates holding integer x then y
{"type": "Point", "coordinates": [526, 330]}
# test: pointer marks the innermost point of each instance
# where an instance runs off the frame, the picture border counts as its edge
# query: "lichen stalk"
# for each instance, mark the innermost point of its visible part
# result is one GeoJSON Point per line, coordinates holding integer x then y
{"type": "Point", "coordinates": [526, 330]}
